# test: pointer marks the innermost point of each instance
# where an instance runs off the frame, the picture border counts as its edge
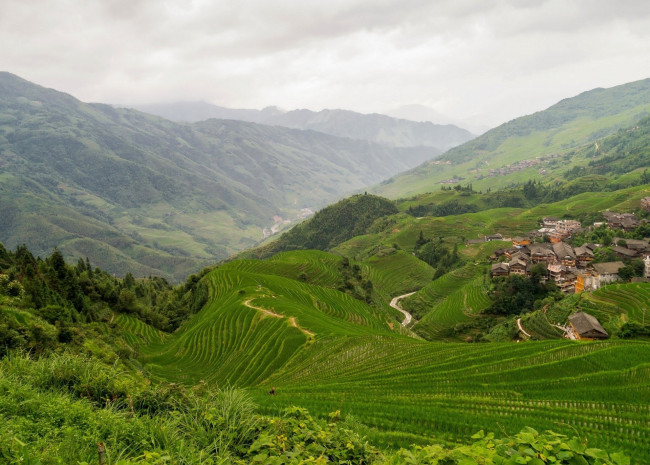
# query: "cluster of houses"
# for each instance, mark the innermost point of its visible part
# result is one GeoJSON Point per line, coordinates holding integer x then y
{"type": "Point", "coordinates": [570, 267]}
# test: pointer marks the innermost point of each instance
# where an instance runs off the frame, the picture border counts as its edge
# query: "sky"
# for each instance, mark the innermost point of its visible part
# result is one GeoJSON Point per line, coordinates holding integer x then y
{"type": "Point", "coordinates": [478, 62]}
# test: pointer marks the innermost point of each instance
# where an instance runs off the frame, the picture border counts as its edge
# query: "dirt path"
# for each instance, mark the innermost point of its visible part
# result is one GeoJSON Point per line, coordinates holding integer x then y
{"type": "Point", "coordinates": [263, 310]}
{"type": "Point", "coordinates": [521, 328]}
{"type": "Point", "coordinates": [292, 320]}
{"type": "Point", "coordinates": [395, 304]}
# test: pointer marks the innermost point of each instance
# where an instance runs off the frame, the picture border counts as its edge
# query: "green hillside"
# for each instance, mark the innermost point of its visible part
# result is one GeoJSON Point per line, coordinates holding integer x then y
{"type": "Point", "coordinates": [528, 147]}
{"type": "Point", "coordinates": [140, 193]}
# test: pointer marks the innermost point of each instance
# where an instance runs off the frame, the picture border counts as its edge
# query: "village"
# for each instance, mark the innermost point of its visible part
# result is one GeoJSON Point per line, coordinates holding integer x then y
{"type": "Point", "coordinates": [571, 268]}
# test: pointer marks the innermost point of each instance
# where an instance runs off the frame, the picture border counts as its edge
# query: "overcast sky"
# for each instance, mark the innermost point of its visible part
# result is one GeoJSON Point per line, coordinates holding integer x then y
{"type": "Point", "coordinates": [478, 61]}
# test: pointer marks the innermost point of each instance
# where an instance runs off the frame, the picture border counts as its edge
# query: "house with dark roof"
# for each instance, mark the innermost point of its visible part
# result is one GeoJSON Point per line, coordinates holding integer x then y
{"type": "Point", "coordinates": [624, 252]}
{"type": "Point", "coordinates": [541, 253]}
{"type": "Point", "coordinates": [564, 254]}
{"type": "Point", "coordinates": [607, 272]}
{"type": "Point", "coordinates": [586, 327]}
{"type": "Point", "coordinates": [518, 266]}
{"type": "Point", "coordinates": [549, 221]}
{"type": "Point", "coordinates": [500, 269]}
{"type": "Point", "coordinates": [584, 256]}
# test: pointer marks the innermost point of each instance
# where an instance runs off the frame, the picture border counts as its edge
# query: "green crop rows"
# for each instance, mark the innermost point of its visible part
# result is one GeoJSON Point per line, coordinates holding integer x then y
{"type": "Point", "coordinates": [342, 354]}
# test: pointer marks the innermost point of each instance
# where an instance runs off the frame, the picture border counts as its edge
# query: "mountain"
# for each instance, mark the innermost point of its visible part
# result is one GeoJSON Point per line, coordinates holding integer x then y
{"type": "Point", "coordinates": [525, 147]}
{"type": "Point", "coordinates": [377, 128]}
{"type": "Point", "coordinates": [416, 112]}
{"type": "Point", "coordinates": [192, 112]}
{"type": "Point", "coordinates": [140, 193]}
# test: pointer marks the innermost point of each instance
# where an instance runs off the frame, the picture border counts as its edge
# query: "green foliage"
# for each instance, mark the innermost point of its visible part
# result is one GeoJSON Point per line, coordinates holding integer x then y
{"type": "Point", "coordinates": [526, 447]}
{"type": "Point", "coordinates": [51, 303]}
{"type": "Point", "coordinates": [517, 294]}
{"type": "Point", "coordinates": [331, 226]}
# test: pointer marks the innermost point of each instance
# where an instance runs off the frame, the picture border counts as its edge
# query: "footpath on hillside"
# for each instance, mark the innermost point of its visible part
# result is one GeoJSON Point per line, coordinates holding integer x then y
{"type": "Point", "coordinates": [292, 320]}
{"type": "Point", "coordinates": [395, 304]}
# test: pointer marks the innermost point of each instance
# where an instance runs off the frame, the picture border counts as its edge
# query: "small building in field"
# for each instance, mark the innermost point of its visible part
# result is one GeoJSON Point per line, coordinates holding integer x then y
{"type": "Point", "coordinates": [586, 327]}
{"type": "Point", "coordinates": [549, 222]}
{"type": "Point", "coordinates": [646, 261]}
{"type": "Point", "coordinates": [645, 203]}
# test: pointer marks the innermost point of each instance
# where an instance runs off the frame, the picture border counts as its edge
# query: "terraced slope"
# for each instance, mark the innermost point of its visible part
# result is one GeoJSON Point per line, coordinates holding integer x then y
{"type": "Point", "coordinates": [450, 299]}
{"type": "Point", "coordinates": [253, 324]}
{"type": "Point", "coordinates": [536, 139]}
{"type": "Point", "coordinates": [413, 391]}
{"type": "Point", "coordinates": [312, 266]}
{"type": "Point", "coordinates": [622, 302]}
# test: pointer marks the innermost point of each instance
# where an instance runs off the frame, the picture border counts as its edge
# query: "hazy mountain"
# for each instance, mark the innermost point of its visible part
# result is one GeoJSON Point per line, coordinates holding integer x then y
{"type": "Point", "coordinates": [522, 148]}
{"type": "Point", "coordinates": [377, 128]}
{"type": "Point", "coordinates": [416, 112]}
{"type": "Point", "coordinates": [192, 112]}
{"type": "Point", "coordinates": [137, 192]}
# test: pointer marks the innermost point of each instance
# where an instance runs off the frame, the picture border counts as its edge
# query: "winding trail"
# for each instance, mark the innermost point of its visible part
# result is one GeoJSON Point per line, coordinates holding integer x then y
{"type": "Point", "coordinates": [292, 320]}
{"type": "Point", "coordinates": [521, 328]}
{"type": "Point", "coordinates": [395, 304]}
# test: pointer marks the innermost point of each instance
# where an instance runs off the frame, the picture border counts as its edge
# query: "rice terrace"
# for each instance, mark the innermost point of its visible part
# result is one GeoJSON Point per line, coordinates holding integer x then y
{"type": "Point", "coordinates": [186, 283]}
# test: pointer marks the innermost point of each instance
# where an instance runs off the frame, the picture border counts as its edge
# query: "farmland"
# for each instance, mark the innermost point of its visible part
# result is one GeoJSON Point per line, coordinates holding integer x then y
{"type": "Point", "coordinates": [342, 354]}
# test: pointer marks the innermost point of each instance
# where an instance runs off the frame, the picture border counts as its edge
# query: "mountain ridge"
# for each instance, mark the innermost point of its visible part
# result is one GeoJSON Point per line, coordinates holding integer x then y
{"type": "Point", "coordinates": [570, 123]}
{"type": "Point", "coordinates": [191, 193]}
{"type": "Point", "coordinates": [374, 127]}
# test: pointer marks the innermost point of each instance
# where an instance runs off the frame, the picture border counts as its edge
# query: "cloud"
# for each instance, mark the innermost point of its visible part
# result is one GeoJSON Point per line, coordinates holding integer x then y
{"type": "Point", "coordinates": [470, 59]}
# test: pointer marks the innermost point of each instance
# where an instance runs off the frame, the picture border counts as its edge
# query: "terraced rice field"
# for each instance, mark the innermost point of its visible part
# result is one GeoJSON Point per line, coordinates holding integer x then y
{"type": "Point", "coordinates": [136, 332]}
{"type": "Point", "coordinates": [319, 268]}
{"type": "Point", "coordinates": [623, 300]}
{"type": "Point", "coordinates": [397, 273]}
{"type": "Point", "coordinates": [412, 391]}
{"type": "Point", "coordinates": [449, 300]}
{"type": "Point", "coordinates": [230, 341]}
{"type": "Point", "coordinates": [326, 351]}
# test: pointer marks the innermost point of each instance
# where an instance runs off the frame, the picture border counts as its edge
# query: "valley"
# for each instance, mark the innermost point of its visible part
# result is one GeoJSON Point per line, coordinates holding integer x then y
{"type": "Point", "coordinates": [381, 322]}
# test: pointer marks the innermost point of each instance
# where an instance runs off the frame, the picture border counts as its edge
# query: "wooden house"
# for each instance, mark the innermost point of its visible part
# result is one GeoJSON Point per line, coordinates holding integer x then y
{"type": "Point", "coordinates": [586, 327]}
{"type": "Point", "coordinates": [564, 254]}
{"type": "Point", "coordinates": [518, 266]}
{"type": "Point", "coordinates": [541, 253]}
{"type": "Point", "coordinates": [607, 272]}
{"type": "Point", "coordinates": [500, 269]}
{"type": "Point", "coordinates": [549, 222]}
{"type": "Point", "coordinates": [584, 256]}
{"type": "Point", "coordinates": [624, 252]}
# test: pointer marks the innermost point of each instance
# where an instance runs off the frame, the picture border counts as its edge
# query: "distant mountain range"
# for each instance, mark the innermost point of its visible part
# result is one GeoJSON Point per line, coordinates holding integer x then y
{"type": "Point", "coordinates": [377, 128]}
{"type": "Point", "coordinates": [135, 192]}
{"type": "Point", "coordinates": [525, 147]}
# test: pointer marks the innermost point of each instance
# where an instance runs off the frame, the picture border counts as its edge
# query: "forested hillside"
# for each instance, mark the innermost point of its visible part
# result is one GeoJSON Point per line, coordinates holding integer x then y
{"type": "Point", "coordinates": [528, 148]}
{"type": "Point", "coordinates": [140, 193]}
